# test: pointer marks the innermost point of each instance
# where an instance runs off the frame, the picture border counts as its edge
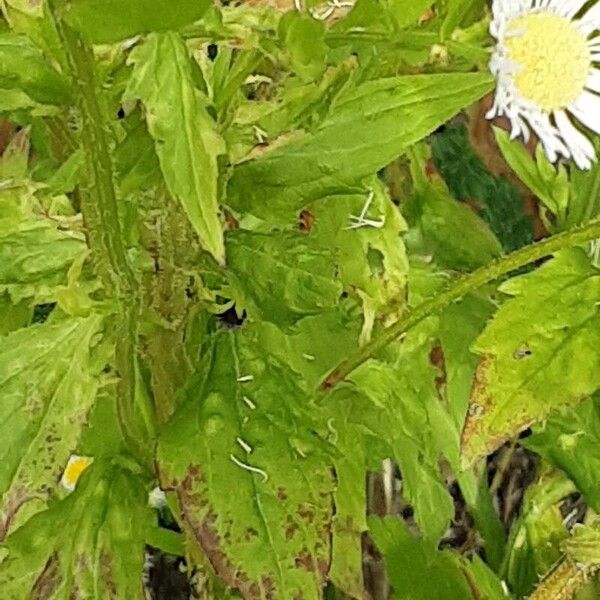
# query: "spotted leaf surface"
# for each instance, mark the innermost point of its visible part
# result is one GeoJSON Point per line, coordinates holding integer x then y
{"type": "Point", "coordinates": [252, 482]}
{"type": "Point", "coordinates": [540, 352]}
{"type": "Point", "coordinates": [48, 383]}
{"type": "Point", "coordinates": [89, 545]}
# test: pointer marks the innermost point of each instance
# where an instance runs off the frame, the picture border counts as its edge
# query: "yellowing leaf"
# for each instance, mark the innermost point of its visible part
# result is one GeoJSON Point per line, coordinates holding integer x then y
{"type": "Point", "coordinates": [89, 545]}
{"type": "Point", "coordinates": [184, 133]}
{"type": "Point", "coordinates": [541, 352]}
{"type": "Point", "coordinates": [48, 383]}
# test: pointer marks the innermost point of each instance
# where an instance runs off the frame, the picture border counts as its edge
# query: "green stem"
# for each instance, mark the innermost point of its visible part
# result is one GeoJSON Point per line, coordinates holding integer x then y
{"type": "Point", "coordinates": [99, 207]}
{"type": "Point", "coordinates": [458, 290]}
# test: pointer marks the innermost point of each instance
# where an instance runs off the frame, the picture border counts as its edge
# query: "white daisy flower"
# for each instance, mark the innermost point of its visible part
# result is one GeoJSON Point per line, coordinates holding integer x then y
{"type": "Point", "coordinates": [545, 63]}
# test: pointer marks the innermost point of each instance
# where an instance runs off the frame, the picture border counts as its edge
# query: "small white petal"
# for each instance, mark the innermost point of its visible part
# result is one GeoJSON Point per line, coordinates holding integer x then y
{"type": "Point", "coordinates": [571, 8]}
{"type": "Point", "coordinates": [591, 20]}
{"type": "Point", "coordinates": [579, 146]}
{"type": "Point", "coordinates": [593, 82]}
{"type": "Point", "coordinates": [587, 109]}
{"type": "Point", "coordinates": [548, 135]}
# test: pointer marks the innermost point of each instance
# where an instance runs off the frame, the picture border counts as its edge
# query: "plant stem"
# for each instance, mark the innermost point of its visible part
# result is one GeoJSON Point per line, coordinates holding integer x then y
{"type": "Point", "coordinates": [458, 290]}
{"type": "Point", "coordinates": [99, 207]}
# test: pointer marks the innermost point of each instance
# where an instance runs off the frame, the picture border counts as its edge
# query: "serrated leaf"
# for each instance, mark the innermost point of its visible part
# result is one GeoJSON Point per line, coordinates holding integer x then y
{"type": "Point", "coordinates": [89, 545]}
{"type": "Point", "coordinates": [417, 570]}
{"type": "Point", "coordinates": [185, 137]}
{"type": "Point", "coordinates": [271, 537]}
{"type": "Point", "coordinates": [23, 67]}
{"type": "Point", "coordinates": [107, 21]}
{"type": "Point", "coordinates": [48, 384]}
{"type": "Point", "coordinates": [401, 410]}
{"type": "Point", "coordinates": [570, 440]}
{"type": "Point", "coordinates": [280, 277]}
{"type": "Point", "coordinates": [371, 125]}
{"type": "Point", "coordinates": [540, 353]}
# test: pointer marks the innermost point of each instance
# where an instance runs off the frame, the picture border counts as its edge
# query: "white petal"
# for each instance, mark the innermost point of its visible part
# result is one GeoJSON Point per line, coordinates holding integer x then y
{"type": "Point", "coordinates": [591, 20]}
{"type": "Point", "coordinates": [571, 8]}
{"type": "Point", "coordinates": [587, 109]}
{"type": "Point", "coordinates": [548, 135]}
{"type": "Point", "coordinates": [593, 82]}
{"type": "Point", "coordinates": [579, 146]}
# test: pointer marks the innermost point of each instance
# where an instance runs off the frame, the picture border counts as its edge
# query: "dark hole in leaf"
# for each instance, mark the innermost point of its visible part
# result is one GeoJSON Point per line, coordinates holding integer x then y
{"type": "Point", "coordinates": [212, 51]}
{"type": "Point", "coordinates": [230, 318]}
{"type": "Point", "coordinates": [522, 352]}
{"type": "Point", "coordinates": [41, 312]}
{"type": "Point", "coordinates": [121, 113]}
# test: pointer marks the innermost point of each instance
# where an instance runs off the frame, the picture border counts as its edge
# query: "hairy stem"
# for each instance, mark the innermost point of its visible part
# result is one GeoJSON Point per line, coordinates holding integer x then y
{"type": "Point", "coordinates": [457, 290]}
{"type": "Point", "coordinates": [99, 207]}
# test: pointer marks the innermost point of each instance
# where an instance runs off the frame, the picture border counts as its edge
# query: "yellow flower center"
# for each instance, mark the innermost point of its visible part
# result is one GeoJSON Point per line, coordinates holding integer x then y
{"type": "Point", "coordinates": [553, 59]}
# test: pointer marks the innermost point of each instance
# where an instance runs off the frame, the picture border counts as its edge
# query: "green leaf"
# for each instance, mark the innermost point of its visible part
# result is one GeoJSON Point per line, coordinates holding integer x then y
{"type": "Point", "coordinates": [107, 21]}
{"type": "Point", "coordinates": [89, 545]}
{"type": "Point", "coordinates": [570, 440]}
{"type": "Point", "coordinates": [271, 536]}
{"type": "Point", "coordinates": [35, 254]}
{"type": "Point", "coordinates": [550, 185]}
{"type": "Point", "coordinates": [308, 59]}
{"type": "Point", "coordinates": [534, 545]}
{"type": "Point", "coordinates": [23, 67]}
{"type": "Point", "coordinates": [280, 277]}
{"type": "Point", "coordinates": [371, 260]}
{"type": "Point", "coordinates": [451, 231]}
{"type": "Point", "coordinates": [350, 522]}
{"type": "Point", "coordinates": [584, 545]}
{"type": "Point", "coordinates": [136, 161]}
{"type": "Point", "coordinates": [307, 346]}
{"type": "Point", "coordinates": [370, 126]}
{"type": "Point", "coordinates": [401, 410]}
{"type": "Point", "coordinates": [541, 352]}
{"type": "Point", "coordinates": [584, 202]}
{"type": "Point", "coordinates": [186, 141]}
{"type": "Point", "coordinates": [13, 316]}
{"type": "Point", "coordinates": [416, 570]}
{"type": "Point", "coordinates": [48, 383]}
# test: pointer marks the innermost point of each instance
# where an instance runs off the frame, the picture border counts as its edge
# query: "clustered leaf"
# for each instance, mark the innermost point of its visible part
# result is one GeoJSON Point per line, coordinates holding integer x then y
{"type": "Point", "coordinates": [207, 208]}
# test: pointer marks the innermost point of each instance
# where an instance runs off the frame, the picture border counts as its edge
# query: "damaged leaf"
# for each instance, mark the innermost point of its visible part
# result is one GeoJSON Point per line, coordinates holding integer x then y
{"type": "Point", "coordinates": [539, 353]}
{"type": "Point", "coordinates": [89, 545]}
{"type": "Point", "coordinates": [48, 384]}
{"type": "Point", "coordinates": [252, 482]}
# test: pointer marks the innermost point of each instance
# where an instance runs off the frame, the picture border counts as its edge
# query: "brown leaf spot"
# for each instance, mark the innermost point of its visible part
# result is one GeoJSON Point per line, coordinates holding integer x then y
{"type": "Point", "coordinates": [307, 221]}
{"type": "Point", "coordinates": [306, 513]}
{"type": "Point", "coordinates": [281, 494]}
{"type": "Point", "coordinates": [304, 560]}
{"type": "Point", "coordinates": [48, 581]}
